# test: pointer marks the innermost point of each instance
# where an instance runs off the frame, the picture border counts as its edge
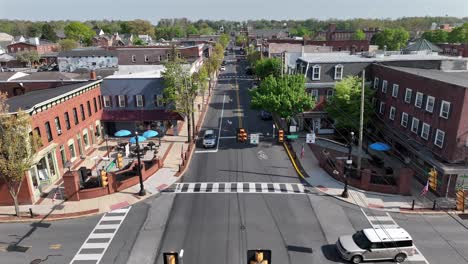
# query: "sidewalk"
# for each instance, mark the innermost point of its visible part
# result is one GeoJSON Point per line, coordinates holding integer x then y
{"type": "Point", "coordinates": [319, 178]}
{"type": "Point", "coordinates": [55, 208]}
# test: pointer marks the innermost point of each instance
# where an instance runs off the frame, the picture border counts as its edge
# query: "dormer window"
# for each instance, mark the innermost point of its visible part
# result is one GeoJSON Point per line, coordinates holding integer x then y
{"type": "Point", "coordinates": [338, 72]}
{"type": "Point", "coordinates": [146, 58]}
{"type": "Point", "coordinates": [316, 73]}
{"type": "Point", "coordinates": [133, 58]}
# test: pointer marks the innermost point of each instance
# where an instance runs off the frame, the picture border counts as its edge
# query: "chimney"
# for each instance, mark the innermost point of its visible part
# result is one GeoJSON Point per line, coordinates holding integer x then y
{"type": "Point", "coordinates": [34, 41]}
{"type": "Point", "coordinates": [92, 75]}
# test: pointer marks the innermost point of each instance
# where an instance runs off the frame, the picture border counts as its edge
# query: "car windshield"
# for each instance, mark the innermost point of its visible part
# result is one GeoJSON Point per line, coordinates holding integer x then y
{"type": "Point", "coordinates": [361, 240]}
{"type": "Point", "coordinates": [209, 136]}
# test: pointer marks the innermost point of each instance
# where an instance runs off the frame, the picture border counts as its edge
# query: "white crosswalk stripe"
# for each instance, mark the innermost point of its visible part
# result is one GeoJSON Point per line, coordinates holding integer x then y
{"type": "Point", "coordinates": [98, 241]}
{"type": "Point", "coordinates": [239, 187]}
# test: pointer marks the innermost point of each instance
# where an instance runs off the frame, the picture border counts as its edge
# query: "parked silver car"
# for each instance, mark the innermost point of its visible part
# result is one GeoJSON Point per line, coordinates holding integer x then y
{"type": "Point", "coordinates": [376, 244]}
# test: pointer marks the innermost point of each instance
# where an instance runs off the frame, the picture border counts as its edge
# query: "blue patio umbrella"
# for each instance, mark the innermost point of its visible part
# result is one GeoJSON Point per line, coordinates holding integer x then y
{"type": "Point", "coordinates": [379, 146]}
{"type": "Point", "coordinates": [140, 139]}
{"type": "Point", "coordinates": [150, 133]}
{"type": "Point", "coordinates": [122, 133]}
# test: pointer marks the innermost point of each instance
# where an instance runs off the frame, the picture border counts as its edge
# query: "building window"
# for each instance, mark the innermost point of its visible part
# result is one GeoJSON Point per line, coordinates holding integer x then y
{"type": "Point", "coordinates": [63, 156]}
{"type": "Point", "coordinates": [415, 125]}
{"type": "Point", "coordinates": [430, 104]}
{"type": "Point", "coordinates": [67, 120]}
{"type": "Point", "coordinates": [95, 104]}
{"type": "Point", "coordinates": [98, 131]}
{"type": "Point", "coordinates": [86, 139]}
{"type": "Point", "coordinates": [160, 58]}
{"type": "Point", "coordinates": [316, 73]}
{"type": "Point", "coordinates": [382, 108]}
{"type": "Point", "coordinates": [139, 100]}
{"type": "Point", "coordinates": [179, 56]}
{"type": "Point", "coordinates": [330, 93]}
{"type": "Point", "coordinates": [418, 100]}
{"type": "Point", "coordinates": [391, 116]}
{"type": "Point", "coordinates": [146, 58]}
{"type": "Point", "coordinates": [121, 100]}
{"type": "Point", "coordinates": [384, 86]}
{"type": "Point", "coordinates": [314, 94]}
{"type": "Point", "coordinates": [376, 82]}
{"type": "Point", "coordinates": [83, 117]}
{"type": "Point", "coordinates": [439, 138]}
{"type": "Point", "coordinates": [133, 58]}
{"type": "Point", "coordinates": [88, 105]}
{"type": "Point", "coordinates": [444, 109]}
{"type": "Point", "coordinates": [71, 148]}
{"type": "Point", "coordinates": [168, 56]}
{"type": "Point", "coordinates": [99, 102]}
{"type": "Point", "coordinates": [159, 100]}
{"type": "Point", "coordinates": [75, 115]}
{"type": "Point", "coordinates": [58, 126]}
{"type": "Point", "coordinates": [48, 131]}
{"type": "Point", "coordinates": [404, 119]}
{"type": "Point", "coordinates": [338, 72]}
{"type": "Point", "coordinates": [425, 131]}
{"type": "Point", "coordinates": [408, 94]}
{"type": "Point", "coordinates": [107, 101]}
{"type": "Point", "coordinates": [395, 90]}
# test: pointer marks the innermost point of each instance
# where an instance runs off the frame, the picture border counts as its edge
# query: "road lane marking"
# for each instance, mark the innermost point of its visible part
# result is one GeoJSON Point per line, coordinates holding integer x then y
{"type": "Point", "coordinates": [101, 230]}
{"type": "Point", "coordinates": [55, 246]}
{"type": "Point", "coordinates": [238, 187]}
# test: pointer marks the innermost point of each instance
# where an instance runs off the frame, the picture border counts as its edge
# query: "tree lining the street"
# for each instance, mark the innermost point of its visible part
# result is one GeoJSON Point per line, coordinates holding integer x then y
{"type": "Point", "coordinates": [28, 56]}
{"type": "Point", "coordinates": [266, 67]}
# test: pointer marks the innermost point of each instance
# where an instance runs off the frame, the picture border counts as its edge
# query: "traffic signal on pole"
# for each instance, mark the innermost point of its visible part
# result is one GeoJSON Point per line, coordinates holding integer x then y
{"type": "Point", "coordinates": [171, 257]}
{"type": "Point", "coordinates": [281, 136]}
{"type": "Point", "coordinates": [433, 179]}
{"type": "Point", "coordinates": [104, 181]}
{"type": "Point", "coordinates": [461, 200]}
{"type": "Point", "coordinates": [242, 135]}
{"type": "Point", "coordinates": [259, 256]}
{"type": "Point", "coordinates": [120, 161]}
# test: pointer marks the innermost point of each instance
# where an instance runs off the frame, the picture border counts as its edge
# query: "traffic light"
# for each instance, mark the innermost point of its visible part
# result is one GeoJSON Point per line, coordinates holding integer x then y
{"type": "Point", "coordinates": [433, 179]}
{"type": "Point", "coordinates": [281, 136]}
{"type": "Point", "coordinates": [259, 256]}
{"type": "Point", "coordinates": [120, 163]}
{"type": "Point", "coordinates": [461, 200]}
{"type": "Point", "coordinates": [242, 135]}
{"type": "Point", "coordinates": [171, 257]}
{"type": "Point", "coordinates": [104, 181]}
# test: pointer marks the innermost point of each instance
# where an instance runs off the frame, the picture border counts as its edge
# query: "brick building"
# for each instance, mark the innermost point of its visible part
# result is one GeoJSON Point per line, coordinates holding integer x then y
{"type": "Point", "coordinates": [156, 55]}
{"type": "Point", "coordinates": [336, 34]}
{"type": "Point", "coordinates": [67, 119]}
{"type": "Point", "coordinates": [455, 49]}
{"type": "Point", "coordinates": [336, 45]}
{"type": "Point", "coordinates": [87, 59]}
{"type": "Point", "coordinates": [41, 46]}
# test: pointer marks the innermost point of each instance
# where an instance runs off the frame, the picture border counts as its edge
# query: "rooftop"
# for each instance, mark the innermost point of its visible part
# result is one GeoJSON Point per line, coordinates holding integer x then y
{"type": "Point", "coordinates": [342, 57]}
{"type": "Point", "coordinates": [386, 234]}
{"type": "Point", "coordinates": [459, 78]}
{"type": "Point", "coordinates": [31, 100]}
{"type": "Point", "coordinates": [422, 45]}
{"type": "Point", "coordinates": [87, 52]}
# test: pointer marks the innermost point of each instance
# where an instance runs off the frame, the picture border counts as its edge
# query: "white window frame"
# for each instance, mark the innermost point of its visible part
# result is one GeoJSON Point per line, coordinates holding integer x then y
{"type": "Point", "coordinates": [395, 90]}
{"type": "Point", "coordinates": [179, 56]}
{"type": "Point", "coordinates": [404, 119]}
{"type": "Point", "coordinates": [339, 66]}
{"type": "Point", "coordinates": [441, 114]}
{"type": "Point", "coordinates": [159, 100]}
{"type": "Point", "coordinates": [121, 103]}
{"type": "Point", "coordinates": [146, 58]}
{"type": "Point", "coordinates": [413, 121]}
{"type": "Point", "coordinates": [106, 100]}
{"type": "Point", "coordinates": [392, 113]}
{"type": "Point", "coordinates": [313, 72]}
{"type": "Point", "coordinates": [139, 100]}
{"type": "Point", "coordinates": [438, 133]}
{"type": "Point", "coordinates": [384, 86]}
{"type": "Point", "coordinates": [418, 95]}
{"type": "Point", "coordinates": [330, 93]}
{"type": "Point", "coordinates": [376, 82]}
{"type": "Point", "coordinates": [408, 93]}
{"type": "Point", "coordinates": [425, 125]}
{"type": "Point", "coordinates": [314, 94]}
{"type": "Point", "coordinates": [430, 98]}
{"type": "Point", "coordinates": [382, 108]}
{"type": "Point", "coordinates": [160, 58]}
{"type": "Point", "coordinates": [133, 58]}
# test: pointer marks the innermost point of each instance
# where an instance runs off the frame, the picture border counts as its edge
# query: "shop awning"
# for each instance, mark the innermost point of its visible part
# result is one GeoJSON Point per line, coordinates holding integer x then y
{"type": "Point", "coordinates": [139, 115]}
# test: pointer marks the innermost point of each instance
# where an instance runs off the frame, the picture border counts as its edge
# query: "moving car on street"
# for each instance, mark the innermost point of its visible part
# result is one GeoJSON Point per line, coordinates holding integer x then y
{"type": "Point", "coordinates": [209, 139]}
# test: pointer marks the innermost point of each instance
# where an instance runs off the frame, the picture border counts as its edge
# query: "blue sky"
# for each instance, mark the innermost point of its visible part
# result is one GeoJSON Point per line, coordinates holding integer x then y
{"type": "Point", "coordinates": [154, 10]}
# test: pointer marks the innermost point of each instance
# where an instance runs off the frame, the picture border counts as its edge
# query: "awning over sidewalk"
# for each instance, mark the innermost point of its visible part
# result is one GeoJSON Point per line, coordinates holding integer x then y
{"type": "Point", "coordinates": [139, 115]}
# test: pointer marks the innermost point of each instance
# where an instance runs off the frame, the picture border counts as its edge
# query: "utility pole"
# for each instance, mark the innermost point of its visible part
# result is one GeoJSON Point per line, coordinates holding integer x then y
{"type": "Point", "coordinates": [347, 169]}
{"type": "Point", "coordinates": [361, 122]}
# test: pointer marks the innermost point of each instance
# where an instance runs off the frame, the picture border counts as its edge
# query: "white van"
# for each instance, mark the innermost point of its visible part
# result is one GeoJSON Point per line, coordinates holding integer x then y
{"type": "Point", "coordinates": [376, 244]}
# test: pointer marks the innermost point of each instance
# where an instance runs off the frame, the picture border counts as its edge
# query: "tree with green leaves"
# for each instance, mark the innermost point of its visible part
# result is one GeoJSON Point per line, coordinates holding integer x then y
{"type": "Point", "coordinates": [79, 32]}
{"type": "Point", "coordinates": [34, 30]}
{"type": "Point", "coordinates": [48, 32]}
{"type": "Point", "coordinates": [68, 44]}
{"type": "Point", "coordinates": [344, 106]}
{"type": "Point", "coordinates": [191, 30]}
{"type": "Point", "coordinates": [138, 41]}
{"type": "Point", "coordinates": [436, 36]}
{"type": "Point", "coordinates": [28, 57]}
{"type": "Point", "coordinates": [300, 31]}
{"type": "Point", "coordinates": [459, 34]}
{"type": "Point", "coordinates": [268, 66]}
{"type": "Point", "coordinates": [393, 39]}
{"type": "Point", "coordinates": [241, 40]}
{"type": "Point", "coordinates": [359, 35]}
{"type": "Point", "coordinates": [284, 96]}
{"type": "Point", "coordinates": [141, 27]}
{"type": "Point", "coordinates": [224, 40]}
{"type": "Point", "coordinates": [17, 149]}
{"type": "Point", "coordinates": [253, 56]}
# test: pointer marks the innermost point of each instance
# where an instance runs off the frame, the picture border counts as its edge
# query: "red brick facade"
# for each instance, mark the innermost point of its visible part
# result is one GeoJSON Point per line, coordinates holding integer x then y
{"type": "Point", "coordinates": [455, 49]}
{"type": "Point", "coordinates": [41, 48]}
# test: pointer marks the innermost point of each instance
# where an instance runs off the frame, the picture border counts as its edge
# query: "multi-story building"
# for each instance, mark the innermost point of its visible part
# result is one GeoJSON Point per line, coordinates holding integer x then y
{"type": "Point", "coordinates": [41, 46]}
{"type": "Point", "coordinates": [67, 119]}
{"type": "Point", "coordinates": [87, 58]}
{"type": "Point", "coordinates": [455, 49]}
{"type": "Point", "coordinates": [335, 34]}
{"type": "Point", "coordinates": [424, 112]}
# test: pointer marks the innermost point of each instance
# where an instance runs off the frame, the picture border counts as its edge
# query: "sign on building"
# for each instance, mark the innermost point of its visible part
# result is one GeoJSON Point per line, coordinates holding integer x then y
{"type": "Point", "coordinates": [254, 138]}
{"type": "Point", "coordinates": [310, 138]}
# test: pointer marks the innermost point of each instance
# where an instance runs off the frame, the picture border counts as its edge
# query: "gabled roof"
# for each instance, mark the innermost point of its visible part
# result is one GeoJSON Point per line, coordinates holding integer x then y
{"type": "Point", "coordinates": [423, 45]}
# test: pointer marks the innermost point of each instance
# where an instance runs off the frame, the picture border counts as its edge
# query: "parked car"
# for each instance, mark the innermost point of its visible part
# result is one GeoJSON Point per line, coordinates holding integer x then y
{"type": "Point", "coordinates": [209, 139]}
{"type": "Point", "coordinates": [223, 68]}
{"type": "Point", "coordinates": [265, 115]}
{"type": "Point", "coordinates": [376, 244]}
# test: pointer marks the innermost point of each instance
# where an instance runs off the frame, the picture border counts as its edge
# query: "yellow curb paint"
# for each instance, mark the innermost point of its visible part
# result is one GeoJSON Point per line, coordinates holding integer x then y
{"type": "Point", "coordinates": [55, 246]}
{"type": "Point", "coordinates": [290, 156]}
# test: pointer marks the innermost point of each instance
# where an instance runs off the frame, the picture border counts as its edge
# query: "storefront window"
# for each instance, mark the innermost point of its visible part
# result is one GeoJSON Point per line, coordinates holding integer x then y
{"type": "Point", "coordinates": [33, 174]}
{"type": "Point", "coordinates": [71, 148]}
{"type": "Point", "coordinates": [63, 155]}
{"type": "Point", "coordinates": [98, 131]}
{"type": "Point", "coordinates": [80, 147]}
{"type": "Point", "coordinates": [85, 139]}
{"type": "Point", "coordinates": [51, 163]}
{"type": "Point", "coordinates": [42, 170]}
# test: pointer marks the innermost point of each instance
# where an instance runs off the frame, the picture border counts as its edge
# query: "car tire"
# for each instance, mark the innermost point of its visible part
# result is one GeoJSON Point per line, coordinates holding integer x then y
{"type": "Point", "coordinates": [356, 259]}
{"type": "Point", "coordinates": [400, 257]}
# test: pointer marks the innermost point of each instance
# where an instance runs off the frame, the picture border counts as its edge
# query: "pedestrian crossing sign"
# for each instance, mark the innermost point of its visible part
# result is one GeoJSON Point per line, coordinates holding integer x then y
{"type": "Point", "coordinates": [254, 138]}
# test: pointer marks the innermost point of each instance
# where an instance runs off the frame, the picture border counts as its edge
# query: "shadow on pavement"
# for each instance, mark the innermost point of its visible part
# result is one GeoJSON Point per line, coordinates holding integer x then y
{"type": "Point", "coordinates": [330, 252]}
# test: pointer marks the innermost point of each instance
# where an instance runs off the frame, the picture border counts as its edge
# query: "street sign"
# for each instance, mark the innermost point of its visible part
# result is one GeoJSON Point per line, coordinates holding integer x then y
{"type": "Point", "coordinates": [292, 136]}
{"type": "Point", "coordinates": [310, 138]}
{"type": "Point", "coordinates": [254, 138]}
{"type": "Point", "coordinates": [292, 129]}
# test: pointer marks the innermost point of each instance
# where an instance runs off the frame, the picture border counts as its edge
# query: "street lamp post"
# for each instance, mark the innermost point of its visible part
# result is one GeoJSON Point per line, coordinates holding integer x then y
{"type": "Point", "coordinates": [106, 137]}
{"type": "Point", "coordinates": [347, 171]}
{"type": "Point", "coordinates": [142, 188]}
